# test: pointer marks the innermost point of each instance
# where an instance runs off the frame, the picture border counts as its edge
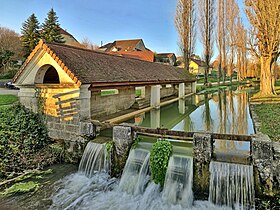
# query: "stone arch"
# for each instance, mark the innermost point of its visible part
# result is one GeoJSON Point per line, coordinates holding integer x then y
{"type": "Point", "coordinates": [47, 74]}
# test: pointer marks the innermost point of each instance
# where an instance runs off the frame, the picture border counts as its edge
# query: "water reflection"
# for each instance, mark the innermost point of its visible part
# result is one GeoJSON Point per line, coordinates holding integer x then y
{"type": "Point", "coordinates": [225, 111]}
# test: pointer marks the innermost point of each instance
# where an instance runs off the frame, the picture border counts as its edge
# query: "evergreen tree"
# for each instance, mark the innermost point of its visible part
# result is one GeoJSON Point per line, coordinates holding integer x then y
{"type": "Point", "coordinates": [30, 34]}
{"type": "Point", "coordinates": [51, 28]}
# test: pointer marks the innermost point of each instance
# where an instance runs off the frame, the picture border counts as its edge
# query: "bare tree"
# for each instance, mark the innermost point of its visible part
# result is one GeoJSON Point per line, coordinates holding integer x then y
{"type": "Point", "coordinates": [220, 35]}
{"type": "Point", "coordinates": [185, 25]}
{"type": "Point", "coordinates": [206, 25]}
{"type": "Point", "coordinates": [232, 15]}
{"type": "Point", "coordinates": [241, 48]}
{"type": "Point", "coordinates": [88, 44]}
{"type": "Point", "coordinates": [10, 47]}
{"type": "Point", "coordinates": [264, 18]}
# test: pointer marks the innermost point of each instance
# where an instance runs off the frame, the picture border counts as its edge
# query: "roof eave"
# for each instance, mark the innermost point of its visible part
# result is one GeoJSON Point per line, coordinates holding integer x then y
{"type": "Point", "coordinates": [108, 85]}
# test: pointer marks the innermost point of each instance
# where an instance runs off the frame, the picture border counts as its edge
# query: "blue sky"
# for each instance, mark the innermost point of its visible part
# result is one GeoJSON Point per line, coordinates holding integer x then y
{"type": "Point", "coordinates": [104, 20]}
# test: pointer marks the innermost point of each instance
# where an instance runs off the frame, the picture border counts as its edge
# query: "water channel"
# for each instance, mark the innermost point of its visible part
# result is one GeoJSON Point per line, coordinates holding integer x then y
{"type": "Point", "coordinates": [231, 185]}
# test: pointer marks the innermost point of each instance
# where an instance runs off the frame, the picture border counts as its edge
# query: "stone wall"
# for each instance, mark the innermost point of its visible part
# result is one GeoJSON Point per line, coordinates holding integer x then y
{"type": "Point", "coordinates": [166, 90]}
{"type": "Point", "coordinates": [266, 161]}
{"type": "Point", "coordinates": [106, 105]}
{"type": "Point", "coordinates": [61, 107]}
{"type": "Point", "coordinates": [27, 97]}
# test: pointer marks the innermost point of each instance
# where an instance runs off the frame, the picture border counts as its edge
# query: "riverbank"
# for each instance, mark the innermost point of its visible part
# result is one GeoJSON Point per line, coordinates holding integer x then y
{"type": "Point", "coordinates": [267, 120]}
{"type": "Point", "coordinates": [40, 198]}
{"type": "Point", "coordinates": [215, 86]}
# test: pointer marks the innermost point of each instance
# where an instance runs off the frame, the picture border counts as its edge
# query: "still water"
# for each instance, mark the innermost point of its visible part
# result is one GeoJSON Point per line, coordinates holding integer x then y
{"type": "Point", "coordinates": [225, 111]}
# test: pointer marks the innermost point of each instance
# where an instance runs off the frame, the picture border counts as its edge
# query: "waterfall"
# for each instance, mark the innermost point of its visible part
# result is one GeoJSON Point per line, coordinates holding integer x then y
{"type": "Point", "coordinates": [178, 181]}
{"type": "Point", "coordinates": [135, 174]}
{"type": "Point", "coordinates": [232, 185]}
{"type": "Point", "coordinates": [94, 159]}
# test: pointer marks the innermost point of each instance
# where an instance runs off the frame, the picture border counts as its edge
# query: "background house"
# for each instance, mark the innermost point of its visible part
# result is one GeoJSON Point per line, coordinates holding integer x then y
{"type": "Point", "coordinates": [124, 45]}
{"type": "Point", "coordinates": [197, 67]}
{"type": "Point", "coordinates": [134, 48]}
{"type": "Point", "coordinates": [69, 38]}
{"type": "Point", "coordinates": [140, 55]}
{"type": "Point", "coordinates": [166, 58]}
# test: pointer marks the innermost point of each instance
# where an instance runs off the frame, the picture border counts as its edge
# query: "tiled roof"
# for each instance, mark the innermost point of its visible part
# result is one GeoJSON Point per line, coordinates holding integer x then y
{"type": "Point", "coordinates": [199, 62]}
{"type": "Point", "coordinates": [141, 55]}
{"type": "Point", "coordinates": [122, 45]}
{"type": "Point", "coordinates": [91, 67]}
{"type": "Point", "coordinates": [165, 54]}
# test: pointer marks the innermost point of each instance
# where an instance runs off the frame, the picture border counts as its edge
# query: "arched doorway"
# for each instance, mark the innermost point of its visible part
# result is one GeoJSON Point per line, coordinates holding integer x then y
{"type": "Point", "coordinates": [51, 76]}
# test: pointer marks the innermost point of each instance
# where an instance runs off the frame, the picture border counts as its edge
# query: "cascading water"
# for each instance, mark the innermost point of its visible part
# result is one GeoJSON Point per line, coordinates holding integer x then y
{"type": "Point", "coordinates": [135, 174]}
{"type": "Point", "coordinates": [178, 181]}
{"type": "Point", "coordinates": [232, 185]}
{"type": "Point", "coordinates": [93, 188]}
{"type": "Point", "coordinates": [94, 159]}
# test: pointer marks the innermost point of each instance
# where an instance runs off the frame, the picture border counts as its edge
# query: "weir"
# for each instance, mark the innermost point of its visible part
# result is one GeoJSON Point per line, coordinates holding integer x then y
{"type": "Point", "coordinates": [95, 159]}
{"type": "Point", "coordinates": [232, 185]}
{"type": "Point", "coordinates": [178, 182]}
{"type": "Point", "coordinates": [135, 174]}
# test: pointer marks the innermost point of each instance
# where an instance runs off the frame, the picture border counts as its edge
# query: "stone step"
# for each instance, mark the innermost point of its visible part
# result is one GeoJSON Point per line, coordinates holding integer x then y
{"type": "Point", "coordinates": [140, 104]}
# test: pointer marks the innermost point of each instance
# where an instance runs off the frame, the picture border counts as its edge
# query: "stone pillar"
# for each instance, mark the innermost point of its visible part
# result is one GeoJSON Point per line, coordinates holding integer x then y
{"type": "Point", "coordinates": [122, 138]}
{"type": "Point", "coordinates": [155, 96]}
{"type": "Point", "coordinates": [182, 104]}
{"type": "Point", "coordinates": [155, 118]}
{"type": "Point", "coordinates": [181, 90]}
{"type": "Point", "coordinates": [262, 154]}
{"type": "Point", "coordinates": [193, 87]}
{"type": "Point", "coordinates": [202, 153]}
{"type": "Point", "coordinates": [85, 95]}
{"type": "Point", "coordinates": [28, 98]}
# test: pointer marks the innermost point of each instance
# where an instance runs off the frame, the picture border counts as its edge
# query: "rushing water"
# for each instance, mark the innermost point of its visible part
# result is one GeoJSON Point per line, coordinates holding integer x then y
{"type": "Point", "coordinates": [135, 189]}
{"type": "Point", "coordinates": [178, 182]}
{"type": "Point", "coordinates": [232, 185]}
{"type": "Point", "coordinates": [136, 172]}
{"type": "Point", "coordinates": [94, 159]}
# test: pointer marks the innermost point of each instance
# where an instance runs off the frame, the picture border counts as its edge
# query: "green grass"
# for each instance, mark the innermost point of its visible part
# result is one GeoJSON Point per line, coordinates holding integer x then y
{"type": "Point", "coordinates": [270, 119]}
{"type": "Point", "coordinates": [109, 92]}
{"type": "Point", "coordinates": [138, 93]}
{"type": "Point", "coordinates": [213, 78]}
{"type": "Point", "coordinates": [7, 99]}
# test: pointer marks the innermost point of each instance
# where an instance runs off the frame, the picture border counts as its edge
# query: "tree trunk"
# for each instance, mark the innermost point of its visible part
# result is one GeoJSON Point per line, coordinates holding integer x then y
{"type": "Point", "coordinates": [266, 84]}
{"type": "Point", "coordinates": [186, 60]}
{"type": "Point", "coordinates": [219, 72]}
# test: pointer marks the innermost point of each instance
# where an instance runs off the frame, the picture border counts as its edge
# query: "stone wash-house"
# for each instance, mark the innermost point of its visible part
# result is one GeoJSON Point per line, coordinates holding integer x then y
{"type": "Point", "coordinates": [166, 58]}
{"type": "Point", "coordinates": [66, 82]}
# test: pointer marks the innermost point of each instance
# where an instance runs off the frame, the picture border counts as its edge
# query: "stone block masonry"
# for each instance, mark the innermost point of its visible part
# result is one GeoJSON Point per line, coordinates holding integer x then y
{"type": "Point", "coordinates": [106, 105]}
{"type": "Point", "coordinates": [202, 153]}
{"type": "Point", "coordinates": [266, 162]}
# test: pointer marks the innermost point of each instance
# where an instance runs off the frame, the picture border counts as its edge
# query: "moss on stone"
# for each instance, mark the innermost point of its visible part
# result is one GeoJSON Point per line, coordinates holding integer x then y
{"type": "Point", "coordinates": [22, 187]}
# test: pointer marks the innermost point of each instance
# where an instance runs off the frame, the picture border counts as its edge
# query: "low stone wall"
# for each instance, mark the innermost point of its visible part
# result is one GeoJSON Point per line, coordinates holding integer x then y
{"type": "Point", "coordinates": [167, 91]}
{"type": "Point", "coordinates": [106, 105]}
{"type": "Point", "coordinates": [61, 108]}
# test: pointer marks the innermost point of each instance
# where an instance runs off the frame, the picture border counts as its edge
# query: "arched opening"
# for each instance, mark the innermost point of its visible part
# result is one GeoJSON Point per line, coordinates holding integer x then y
{"type": "Point", "coordinates": [51, 76]}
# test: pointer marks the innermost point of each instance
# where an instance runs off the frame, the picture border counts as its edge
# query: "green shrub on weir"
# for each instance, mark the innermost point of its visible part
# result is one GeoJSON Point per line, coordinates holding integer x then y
{"type": "Point", "coordinates": [160, 154]}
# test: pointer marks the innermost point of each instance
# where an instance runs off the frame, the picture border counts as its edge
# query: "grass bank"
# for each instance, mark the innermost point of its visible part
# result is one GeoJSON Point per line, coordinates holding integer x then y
{"type": "Point", "coordinates": [269, 118]}
{"type": "Point", "coordinates": [8, 99]}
